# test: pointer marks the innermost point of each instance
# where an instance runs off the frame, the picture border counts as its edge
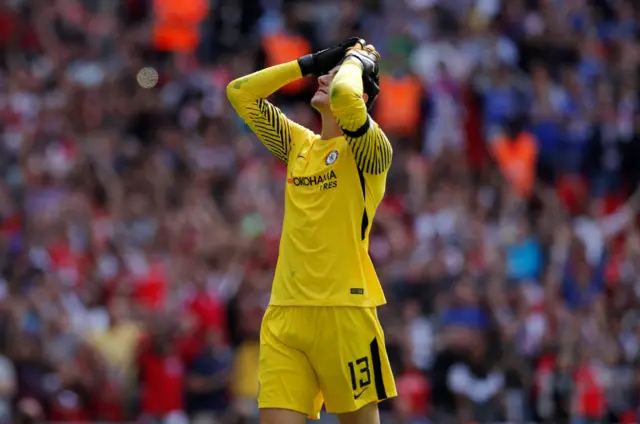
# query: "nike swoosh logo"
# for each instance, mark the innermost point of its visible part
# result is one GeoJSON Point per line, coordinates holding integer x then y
{"type": "Point", "coordinates": [300, 156]}
{"type": "Point", "coordinates": [356, 396]}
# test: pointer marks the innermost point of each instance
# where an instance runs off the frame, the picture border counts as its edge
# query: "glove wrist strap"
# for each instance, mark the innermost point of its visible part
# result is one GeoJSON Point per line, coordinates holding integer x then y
{"type": "Point", "coordinates": [306, 65]}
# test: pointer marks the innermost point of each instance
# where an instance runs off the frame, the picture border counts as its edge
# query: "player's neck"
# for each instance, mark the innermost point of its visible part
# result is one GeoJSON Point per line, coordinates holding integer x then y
{"type": "Point", "coordinates": [330, 128]}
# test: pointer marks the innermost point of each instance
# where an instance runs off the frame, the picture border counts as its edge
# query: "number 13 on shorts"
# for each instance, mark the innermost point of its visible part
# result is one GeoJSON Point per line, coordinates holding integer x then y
{"type": "Point", "coordinates": [367, 373]}
{"type": "Point", "coordinates": [364, 374]}
{"type": "Point", "coordinates": [360, 384]}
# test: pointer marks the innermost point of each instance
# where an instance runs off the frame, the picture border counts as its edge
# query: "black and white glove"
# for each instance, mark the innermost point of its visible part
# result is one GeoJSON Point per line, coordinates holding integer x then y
{"type": "Point", "coordinates": [367, 56]}
{"type": "Point", "coordinates": [320, 63]}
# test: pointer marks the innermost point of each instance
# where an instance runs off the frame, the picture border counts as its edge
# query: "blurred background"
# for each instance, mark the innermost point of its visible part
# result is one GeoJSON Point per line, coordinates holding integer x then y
{"type": "Point", "coordinates": [139, 227]}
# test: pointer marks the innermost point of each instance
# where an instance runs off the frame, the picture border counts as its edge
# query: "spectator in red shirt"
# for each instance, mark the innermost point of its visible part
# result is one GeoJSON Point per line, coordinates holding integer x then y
{"type": "Point", "coordinates": [414, 395]}
{"type": "Point", "coordinates": [589, 396]}
{"type": "Point", "coordinates": [206, 306]}
{"type": "Point", "coordinates": [70, 402]}
{"type": "Point", "coordinates": [161, 376]}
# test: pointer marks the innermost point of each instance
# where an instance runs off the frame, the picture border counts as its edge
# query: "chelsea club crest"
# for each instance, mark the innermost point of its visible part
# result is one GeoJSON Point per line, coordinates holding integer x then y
{"type": "Point", "coordinates": [331, 157]}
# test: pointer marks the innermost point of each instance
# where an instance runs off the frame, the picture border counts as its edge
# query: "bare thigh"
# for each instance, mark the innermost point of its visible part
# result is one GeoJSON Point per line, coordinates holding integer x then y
{"type": "Point", "coordinates": [368, 414]}
{"type": "Point", "coordinates": [281, 416]}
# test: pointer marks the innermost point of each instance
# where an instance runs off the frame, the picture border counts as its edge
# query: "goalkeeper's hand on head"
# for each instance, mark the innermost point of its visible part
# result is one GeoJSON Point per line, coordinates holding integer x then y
{"type": "Point", "coordinates": [322, 62]}
{"type": "Point", "coordinates": [367, 56]}
{"type": "Point", "coordinates": [368, 59]}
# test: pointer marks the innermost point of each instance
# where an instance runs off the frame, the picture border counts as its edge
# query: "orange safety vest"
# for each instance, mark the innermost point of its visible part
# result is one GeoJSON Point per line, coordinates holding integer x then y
{"type": "Point", "coordinates": [517, 161]}
{"type": "Point", "coordinates": [398, 104]}
{"type": "Point", "coordinates": [282, 48]}
{"type": "Point", "coordinates": [177, 24]}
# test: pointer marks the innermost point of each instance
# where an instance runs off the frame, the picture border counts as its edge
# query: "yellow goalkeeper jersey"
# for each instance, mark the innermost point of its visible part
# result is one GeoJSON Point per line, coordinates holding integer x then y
{"type": "Point", "coordinates": [333, 189]}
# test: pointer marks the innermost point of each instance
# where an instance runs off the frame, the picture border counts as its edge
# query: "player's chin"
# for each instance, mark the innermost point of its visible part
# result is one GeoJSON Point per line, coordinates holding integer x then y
{"type": "Point", "coordinates": [320, 100]}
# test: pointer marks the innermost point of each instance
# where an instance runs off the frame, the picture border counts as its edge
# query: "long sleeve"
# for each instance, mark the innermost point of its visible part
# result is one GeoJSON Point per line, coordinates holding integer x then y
{"type": "Point", "coordinates": [369, 144]}
{"type": "Point", "coordinates": [248, 96]}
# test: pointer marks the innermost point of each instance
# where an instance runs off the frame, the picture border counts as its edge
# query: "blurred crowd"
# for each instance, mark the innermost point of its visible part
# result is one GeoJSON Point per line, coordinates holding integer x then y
{"type": "Point", "coordinates": [139, 227]}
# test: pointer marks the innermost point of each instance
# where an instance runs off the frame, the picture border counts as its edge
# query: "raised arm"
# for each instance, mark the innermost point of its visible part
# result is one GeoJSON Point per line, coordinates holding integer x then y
{"type": "Point", "coordinates": [248, 96]}
{"type": "Point", "coordinates": [613, 224]}
{"type": "Point", "coordinates": [369, 144]}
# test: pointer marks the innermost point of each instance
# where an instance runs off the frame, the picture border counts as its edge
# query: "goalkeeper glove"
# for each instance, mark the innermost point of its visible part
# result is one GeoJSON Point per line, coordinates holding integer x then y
{"type": "Point", "coordinates": [368, 58]}
{"type": "Point", "coordinates": [322, 62]}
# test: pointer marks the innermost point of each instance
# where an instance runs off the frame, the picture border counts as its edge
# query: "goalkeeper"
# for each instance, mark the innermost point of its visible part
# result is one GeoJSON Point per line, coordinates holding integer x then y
{"type": "Point", "coordinates": [320, 340]}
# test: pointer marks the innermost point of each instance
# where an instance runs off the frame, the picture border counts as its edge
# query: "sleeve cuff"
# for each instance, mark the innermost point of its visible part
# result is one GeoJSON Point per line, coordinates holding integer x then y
{"type": "Point", "coordinates": [296, 69]}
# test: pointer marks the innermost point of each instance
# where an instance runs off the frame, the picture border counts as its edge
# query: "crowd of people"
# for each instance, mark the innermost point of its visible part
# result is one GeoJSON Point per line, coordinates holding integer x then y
{"type": "Point", "coordinates": [139, 227]}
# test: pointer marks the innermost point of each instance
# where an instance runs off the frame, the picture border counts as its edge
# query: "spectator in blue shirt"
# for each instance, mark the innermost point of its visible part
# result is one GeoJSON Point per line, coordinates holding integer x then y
{"type": "Point", "coordinates": [208, 379]}
{"type": "Point", "coordinates": [501, 102]}
{"type": "Point", "coordinates": [582, 283]}
{"type": "Point", "coordinates": [523, 256]}
{"type": "Point", "coordinates": [465, 310]}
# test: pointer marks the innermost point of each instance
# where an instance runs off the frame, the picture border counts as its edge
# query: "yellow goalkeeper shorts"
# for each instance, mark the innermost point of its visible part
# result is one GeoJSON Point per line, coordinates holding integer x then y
{"type": "Point", "coordinates": [313, 355]}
